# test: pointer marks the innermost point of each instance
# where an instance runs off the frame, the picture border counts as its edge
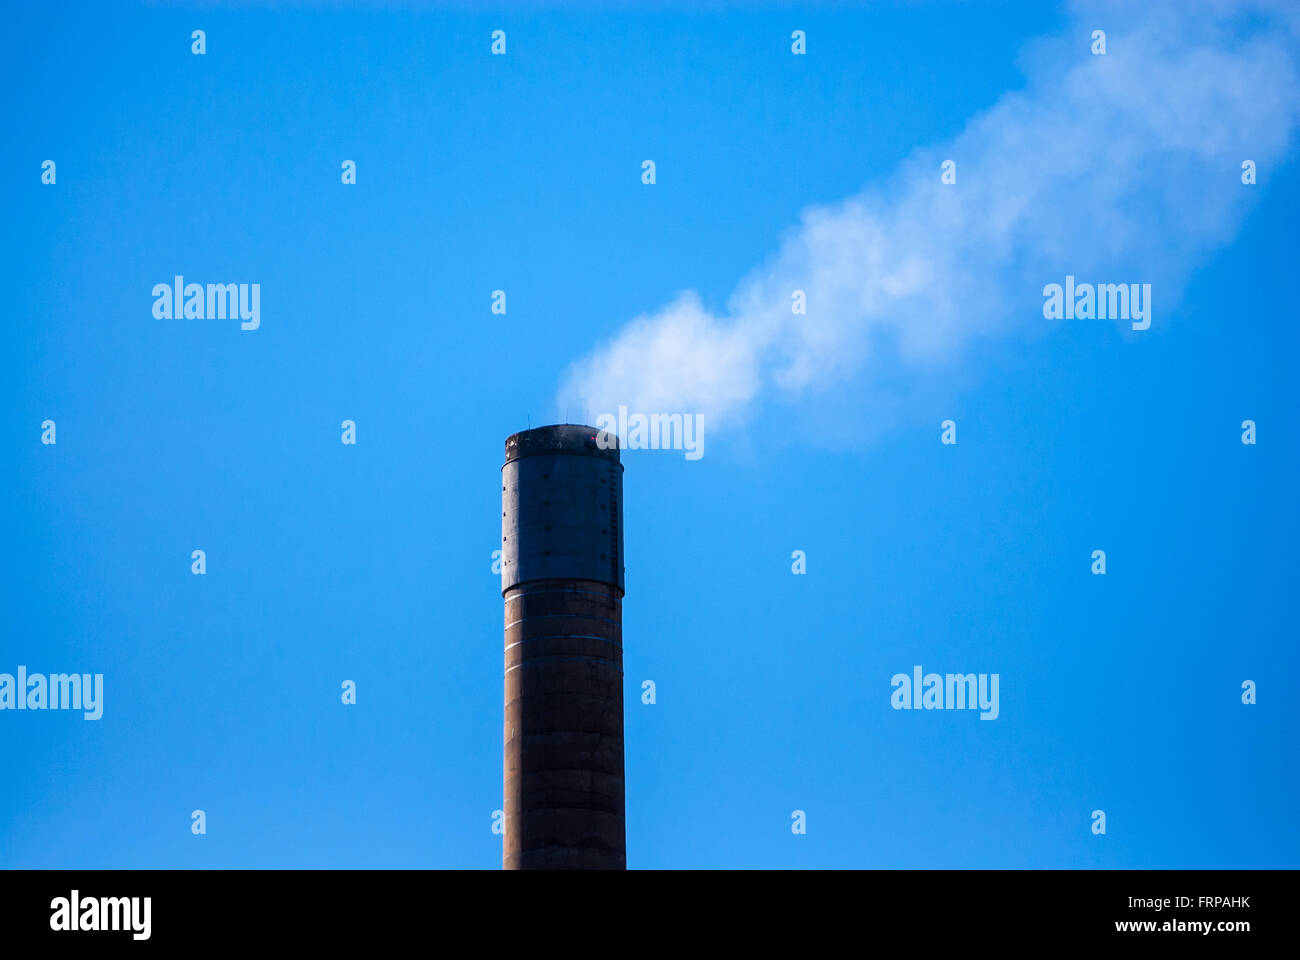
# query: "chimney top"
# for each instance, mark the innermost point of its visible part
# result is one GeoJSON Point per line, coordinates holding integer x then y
{"type": "Point", "coordinates": [573, 438]}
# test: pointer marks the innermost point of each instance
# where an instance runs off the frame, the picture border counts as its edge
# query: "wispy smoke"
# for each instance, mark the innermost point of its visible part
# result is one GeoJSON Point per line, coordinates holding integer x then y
{"type": "Point", "coordinates": [1127, 166]}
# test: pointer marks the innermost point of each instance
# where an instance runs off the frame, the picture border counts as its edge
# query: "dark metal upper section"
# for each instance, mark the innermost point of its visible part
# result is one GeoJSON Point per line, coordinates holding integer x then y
{"type": "Point", "coordinates": [562, 438]}
{"type": "Point", "coordinates": [561, 507]}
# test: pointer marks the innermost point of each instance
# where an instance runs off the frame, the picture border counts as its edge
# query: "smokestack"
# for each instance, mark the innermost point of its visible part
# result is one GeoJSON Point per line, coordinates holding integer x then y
{"type": "Point", "coordinates": [562, 580]}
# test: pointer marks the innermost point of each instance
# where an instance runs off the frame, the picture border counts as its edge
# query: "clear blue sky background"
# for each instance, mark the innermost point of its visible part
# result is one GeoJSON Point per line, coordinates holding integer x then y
{"type": "Point", "coordinates": [372, 563]}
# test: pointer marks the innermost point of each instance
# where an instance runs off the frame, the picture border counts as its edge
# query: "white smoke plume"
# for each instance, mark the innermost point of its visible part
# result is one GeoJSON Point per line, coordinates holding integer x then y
{"type": "Point", "coordinates": [1123, 167]}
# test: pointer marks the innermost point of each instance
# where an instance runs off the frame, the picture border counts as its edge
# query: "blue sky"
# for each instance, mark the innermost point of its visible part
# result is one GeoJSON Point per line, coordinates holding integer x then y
{"type": "Point", "coordinates": [372, 562]}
